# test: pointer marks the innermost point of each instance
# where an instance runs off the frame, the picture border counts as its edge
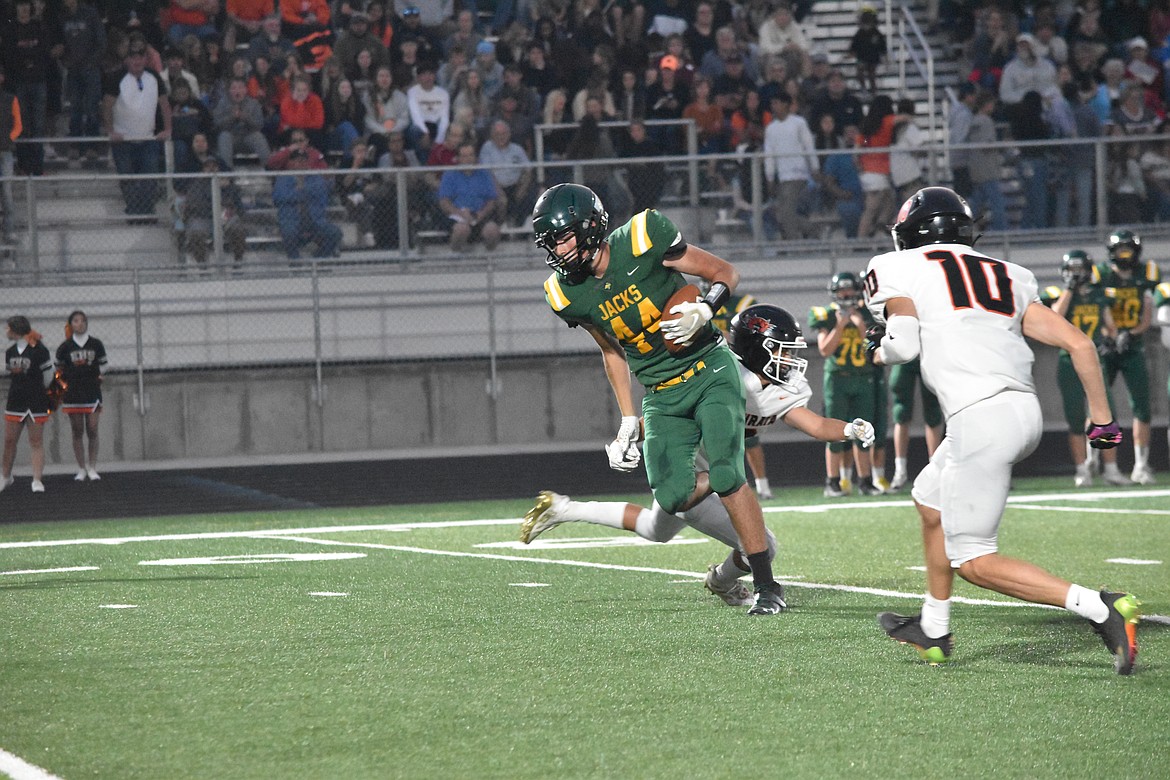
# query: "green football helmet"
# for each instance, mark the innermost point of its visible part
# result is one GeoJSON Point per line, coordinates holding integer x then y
{"type": "Point", "coordinates": [1125, 249]}
{"type": "Point", "coordinates": [565, 209]}
{"type": "Point", "coordinates": [1076, 268]}
{"type": "Point", "coordinates": [845, 288]}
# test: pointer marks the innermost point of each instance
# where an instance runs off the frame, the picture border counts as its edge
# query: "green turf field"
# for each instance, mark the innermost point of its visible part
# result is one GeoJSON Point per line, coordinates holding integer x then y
{"type": "Point", "coordinates": [422, 641]}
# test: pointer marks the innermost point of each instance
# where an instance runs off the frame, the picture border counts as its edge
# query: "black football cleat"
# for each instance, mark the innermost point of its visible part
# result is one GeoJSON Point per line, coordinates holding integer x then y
{"type": "Point", "coordinates": [1119, 631]}
{"type": "Point", "coordinates": [769, 600]}
{"type": "Point", "coordinates": [907, 629]}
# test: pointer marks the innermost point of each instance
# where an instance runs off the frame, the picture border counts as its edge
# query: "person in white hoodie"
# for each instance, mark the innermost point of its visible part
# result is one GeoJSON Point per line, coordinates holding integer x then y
{"type": "Point", "coordinates": [1026, 72]}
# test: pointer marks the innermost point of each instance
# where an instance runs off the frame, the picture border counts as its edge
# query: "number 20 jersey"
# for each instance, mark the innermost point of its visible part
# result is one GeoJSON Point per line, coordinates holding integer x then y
{"type": "Point", "coordinates": [970, 312]}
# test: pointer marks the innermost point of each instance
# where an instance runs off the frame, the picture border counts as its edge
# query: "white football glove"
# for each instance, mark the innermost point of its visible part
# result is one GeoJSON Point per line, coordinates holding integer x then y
{"type": "Point", "coordinates": [623, 451]}
{"type": "Point", "coordinates": [860, 431]}
{"type": "Point", "coordinates": [694, 315]}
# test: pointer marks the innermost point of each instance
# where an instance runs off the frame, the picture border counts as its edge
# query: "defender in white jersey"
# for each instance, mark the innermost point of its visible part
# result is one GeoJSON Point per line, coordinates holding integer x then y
{"type": "Point", "coordinates": [766, 339]}
{"type": "Point", "coordinates": [965, 315]}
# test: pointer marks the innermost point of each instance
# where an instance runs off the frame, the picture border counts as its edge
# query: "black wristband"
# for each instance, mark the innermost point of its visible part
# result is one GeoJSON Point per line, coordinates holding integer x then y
{"type": "Point", "coordinates": [717, 296]}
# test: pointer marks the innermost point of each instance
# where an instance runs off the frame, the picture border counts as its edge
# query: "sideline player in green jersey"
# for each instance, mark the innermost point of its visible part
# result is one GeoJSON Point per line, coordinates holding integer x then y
{"type": "Point", "coordinates": [1130, 282]}
{"type": "Point", "coordinates": [1084, 303]}
{"type": "Point", "coordinates": [851, 380]}
{"type": "Point", "coordinates": [616, 287]}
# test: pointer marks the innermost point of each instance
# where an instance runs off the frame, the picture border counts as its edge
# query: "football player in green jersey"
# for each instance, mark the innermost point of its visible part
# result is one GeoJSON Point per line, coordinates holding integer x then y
{"type": "Point", "coordinates": [1083, 302]}
{"type": "Point", "coordinates": [851, 379]}
{"type": "Point", "coordinates": [616, 287]}
{"type": "Point", "coordinates": [1130, 282]}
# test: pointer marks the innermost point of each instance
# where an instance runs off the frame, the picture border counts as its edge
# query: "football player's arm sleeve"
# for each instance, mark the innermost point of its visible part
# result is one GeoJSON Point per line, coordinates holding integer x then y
{"type": "Point", "coordinates": [617, 370]}
{"type": "Point", "coordinates": [901, 344]}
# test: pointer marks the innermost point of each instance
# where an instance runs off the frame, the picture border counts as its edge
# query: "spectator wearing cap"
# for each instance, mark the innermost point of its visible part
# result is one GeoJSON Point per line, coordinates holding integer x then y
{"type": "Point", "coordinates": [82, 40]}
{"type": "Point", "coordinates": [839, 100]}
{"type": "Point", "coordinates": [490, 69]}
{"type": "Point", "coordinates": [464, 36]}
{"type": "Point", "coordinates": [868, 48]}
{"type": "Point", "coordinates": [134, 103]}
{"type": "Point", "coordinates": [430, 110]}
{"type": "Point", "coordinates": [357, 36]}
{"type": "Point", "coordinates": [413, 28]}
{"type": "Point", "coordinates": [734, 79]}
{"type": "Point", "coordinates": [1025, 73]}
{"type": "Point", "coordinates": [1143, 69]}
{"type": "Point", "coordinates": [666, 99]}
{"type": "Point", "coordinates": [432, 14]}
{"type": "Point", "coordinates": [26, 45]}
{"type": "Point", "coordinates": [192, 17]}
{"type": "Point", "coordinates": [244, 19]}
{"type": "Point", "coordinates": [789, 165]}
{"type": "Point", "coordinates": [781, 36]}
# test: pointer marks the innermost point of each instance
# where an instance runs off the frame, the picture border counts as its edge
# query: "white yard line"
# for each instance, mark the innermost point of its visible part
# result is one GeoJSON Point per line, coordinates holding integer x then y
{"type": "Point", "coordinates": [404, 527]}
{"type": "Point", "coordinates": [645, 569]}
{"type": "Point", "coordinates": [19, 769]}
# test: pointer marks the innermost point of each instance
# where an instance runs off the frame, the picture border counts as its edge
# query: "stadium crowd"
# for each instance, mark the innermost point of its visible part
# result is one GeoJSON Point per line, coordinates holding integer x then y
{"type": "Point", "coordinates": [235, 79]}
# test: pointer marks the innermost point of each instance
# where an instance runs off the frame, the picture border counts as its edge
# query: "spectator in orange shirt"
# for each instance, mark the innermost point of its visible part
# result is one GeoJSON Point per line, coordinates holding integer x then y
{"type": "Point", "coordinates": [877, 131]}
{"type": "Point", "coordinates": [303, 17]}
{"type": "Point", "coordinates": [303, 110]}
{"type": "Point", "coordinates": [244, 18]}
{"type": "Point", "coordinates": [192, 17]}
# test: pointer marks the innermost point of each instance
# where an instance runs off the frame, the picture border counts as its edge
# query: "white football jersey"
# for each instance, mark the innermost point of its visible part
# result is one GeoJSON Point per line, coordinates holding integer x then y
{"type": "Point", "coordinates": [767, 404]}
{"type": "Point", "coordinates": [970, 313]}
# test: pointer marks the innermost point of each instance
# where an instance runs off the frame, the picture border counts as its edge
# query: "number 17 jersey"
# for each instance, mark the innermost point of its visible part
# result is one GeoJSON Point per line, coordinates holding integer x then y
{"type": "Point", "coordinates": [970, 313]}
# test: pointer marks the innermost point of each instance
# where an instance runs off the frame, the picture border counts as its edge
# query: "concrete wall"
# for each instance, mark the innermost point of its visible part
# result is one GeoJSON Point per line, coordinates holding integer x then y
{"type": "Point", "coordinates": [541, 403]}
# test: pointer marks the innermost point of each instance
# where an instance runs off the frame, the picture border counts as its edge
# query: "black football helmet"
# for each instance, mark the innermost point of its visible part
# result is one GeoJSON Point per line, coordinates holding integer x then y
{"type": "Point", "coordinates": [1125, 249]}
{"type": "Point", "coordinates": [933, 215]}
{"type": "Point", "coordinates": [766, 339]}
{"type": "Point", "coordinates": [1076, 268]}
{"type": "Point", "coordinates": [845, 288]}
{"type": "Point", "coordinates": [565, 209]}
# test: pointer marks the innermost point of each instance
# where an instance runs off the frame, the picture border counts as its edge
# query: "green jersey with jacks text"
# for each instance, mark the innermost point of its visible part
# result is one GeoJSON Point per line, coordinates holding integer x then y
{"type": "Point", "coordinates": [1086, 310]}
{"type": "Point", "coordinates": [1127, 294]}
{"type": "Point", "coordinates": [850, 358]}
{"type": "Point", "coordinates": [628, 301]}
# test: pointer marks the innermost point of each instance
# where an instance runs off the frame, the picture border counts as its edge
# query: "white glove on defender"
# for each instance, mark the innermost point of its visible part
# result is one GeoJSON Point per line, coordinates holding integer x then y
{"type": "Point", "coordinates": [860, 431]}
{"type": "Point", "coordinates": [623, 451]}
{"type": "Point", "coordinates": [694, 315]}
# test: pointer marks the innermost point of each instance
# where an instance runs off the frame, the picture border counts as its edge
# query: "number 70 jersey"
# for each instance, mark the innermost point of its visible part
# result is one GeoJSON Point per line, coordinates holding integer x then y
{"type": "Point", "coordinates": [970, 313]}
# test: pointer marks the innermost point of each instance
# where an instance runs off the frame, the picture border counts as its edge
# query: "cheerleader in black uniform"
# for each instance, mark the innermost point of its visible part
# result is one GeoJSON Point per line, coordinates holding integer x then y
{"type": "Point", "coordinates": [82, 360]}
{"type": "Point", "coordinates": [30, 366]}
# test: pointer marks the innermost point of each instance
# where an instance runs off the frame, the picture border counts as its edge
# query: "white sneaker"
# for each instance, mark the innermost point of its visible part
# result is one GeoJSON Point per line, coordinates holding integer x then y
{"type": "Point", "coordinates": [79, 476]}
{"type": "Point", "coordinates": [733, 595]}
{"type": "Point", "coordinates": [543, 515]}
{"type": "Point", "coordinates": [91, 472]}
{"type": "Point", "coordinates": [5, 482]}
{"type": "Point", "coordinates": [1114, 477]}
{"type": "Point", "coordinates": [898, 482]}
{"type": "Point", "coordinates": [1143, 475]}
{"type": "Point", "coordinates": [38, 486]}
{"type": "Point", "coordinates": [1084, 478]}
